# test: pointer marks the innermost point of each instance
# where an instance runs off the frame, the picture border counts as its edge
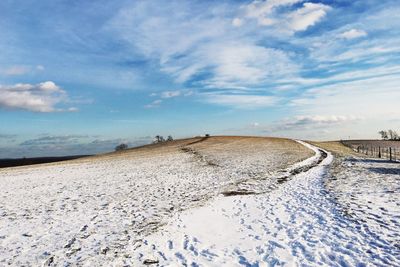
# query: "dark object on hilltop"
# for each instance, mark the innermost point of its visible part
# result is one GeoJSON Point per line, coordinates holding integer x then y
{"type": "Point", "coordinates": [121, 147]}
{"type": "Point", "coordinates": [207, 135]}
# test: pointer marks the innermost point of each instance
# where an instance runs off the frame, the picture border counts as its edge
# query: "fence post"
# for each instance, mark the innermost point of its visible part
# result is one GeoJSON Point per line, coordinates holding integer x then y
{"type": "Point", "coordinates": [390, 153]}
{"type": "Point", "coordinates": [379, 154]}
{"type": "Point", "coordinates": [394, 154]}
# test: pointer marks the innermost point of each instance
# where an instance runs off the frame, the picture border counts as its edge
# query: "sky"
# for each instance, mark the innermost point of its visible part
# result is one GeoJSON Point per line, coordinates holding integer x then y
{"type": "Point", "coordinates": [80, 77]}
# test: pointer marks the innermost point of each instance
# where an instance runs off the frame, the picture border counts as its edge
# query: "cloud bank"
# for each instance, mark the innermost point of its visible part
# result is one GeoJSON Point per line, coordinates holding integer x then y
{"type": "Point", "coordinates": [42, 97]}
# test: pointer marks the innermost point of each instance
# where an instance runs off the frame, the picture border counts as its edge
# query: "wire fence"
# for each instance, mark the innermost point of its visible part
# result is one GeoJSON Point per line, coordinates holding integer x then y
{"type": "Point", "coordinates": [387, 152]}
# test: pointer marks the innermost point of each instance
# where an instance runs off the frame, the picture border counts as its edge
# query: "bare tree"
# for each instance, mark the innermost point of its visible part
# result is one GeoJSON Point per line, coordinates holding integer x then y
{"type": "Point", "coordinates": [389, 135]}
{"type": "Point", "coordinates": [384, 134]}
{"type": "Point", "coordinates": [121, 147]}
{"type": "Point", "coordinates": [393, 135]}
{"type": "Point", "coordinates": [169, 138]}
{"type": "Point", "coordinates": [158, 139]}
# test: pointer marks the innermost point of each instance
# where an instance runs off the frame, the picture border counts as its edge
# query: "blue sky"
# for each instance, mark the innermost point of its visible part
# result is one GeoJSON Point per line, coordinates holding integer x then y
{"type": "Point", "coordinates": [82, 76]}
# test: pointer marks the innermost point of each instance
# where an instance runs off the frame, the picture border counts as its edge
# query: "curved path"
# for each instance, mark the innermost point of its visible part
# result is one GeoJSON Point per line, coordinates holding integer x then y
{"type": "Point", "coordinates": [299, 223]}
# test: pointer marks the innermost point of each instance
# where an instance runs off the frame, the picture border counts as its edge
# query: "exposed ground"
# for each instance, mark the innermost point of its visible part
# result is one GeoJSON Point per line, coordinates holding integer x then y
{"type": "Point", "coordinates": [337, 148]}
{"type": "Point", "coordinates": [91, 210]}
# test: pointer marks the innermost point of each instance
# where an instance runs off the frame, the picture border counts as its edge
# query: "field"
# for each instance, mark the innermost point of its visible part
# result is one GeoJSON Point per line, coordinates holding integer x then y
{"type": "Point", "coordinates": [90, 209]}
{"type": "Point", "coordinates": [218, 201]}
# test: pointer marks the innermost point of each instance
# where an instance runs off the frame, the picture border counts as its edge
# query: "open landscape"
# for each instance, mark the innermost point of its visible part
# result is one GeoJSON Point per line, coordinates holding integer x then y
{"type": "Point", "coordinates": [199, 133]}
{"type": "Point", "coordinates": [206, 201]}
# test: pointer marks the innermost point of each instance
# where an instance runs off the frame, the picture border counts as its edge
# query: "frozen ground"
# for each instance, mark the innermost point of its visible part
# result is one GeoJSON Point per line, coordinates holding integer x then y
{"type": "Point", "coordinates": [96, 211]}
{"type": "Point", "coordinates": [165, 206]}
{"type": "Point", "coordinates": [344, 215]}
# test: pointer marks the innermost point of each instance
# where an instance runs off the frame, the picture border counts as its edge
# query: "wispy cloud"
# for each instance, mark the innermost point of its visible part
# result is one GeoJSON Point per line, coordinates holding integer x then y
{"type": "Point", "coordinates": [242, 101]}
{"type": "Point", "coordinates": [311, 121]}
{"type": "Point", "coordinates": [353, 33]}
{"type": "Point", "coordinates": [371, 98]}
{"type": "Point", "coordinates": [19, 70]}
{"type": "Point", "coordinates": [73, 144]}
{"type": "Point", "coordinates": [264, 11]}
{"type": "Point", "coordinates": [7, 136]}
{"type": "Point", "coordinates": [16, 70]}
{"type": "Point", "coordinates": [165, 95]}
{"type": "Point", "coordinates": [208, 52]}
{"type": "Point", "coordinates": [54, 140]}
{"type": "Point", "coordinates": [277, 57]}
{"type": "Point", "coordinates": [307, 16]}
{"type": "Point", "coordinates": [155, 104]}
{"type": "Point", "coordinates": [269, 13]}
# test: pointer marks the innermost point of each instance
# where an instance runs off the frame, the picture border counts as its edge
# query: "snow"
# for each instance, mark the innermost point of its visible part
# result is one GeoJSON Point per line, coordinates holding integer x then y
{"type": "Point", "coordinates": [95, 212]}
{"type": "Point", "coordinates": [299, 223]}
{"type": "Point", "coordinates": [166, 208]}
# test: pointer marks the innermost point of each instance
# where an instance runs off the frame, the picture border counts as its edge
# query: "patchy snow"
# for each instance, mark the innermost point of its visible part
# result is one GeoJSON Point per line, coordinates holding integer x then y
{"type": "Point", "coordinates": [166, 208]}
{"type": "Point", "coordinates": [299, 223]}
{"type": "Point", "coordinates": [95, 212]}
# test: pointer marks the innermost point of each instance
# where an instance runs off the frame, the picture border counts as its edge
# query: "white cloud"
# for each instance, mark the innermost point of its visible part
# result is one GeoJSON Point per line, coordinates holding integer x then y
{"type": "Point", "coordinates": [40, 67]}
{"type": "Point", "coordinates": [203, 44]}
{"type": "Point", "coordinates": [375, 99]}
{"type": "Point", "coordinates": [316, 127]}
{"type": "Point", "coordinates": [170, 94]}
{"type": "Point", "coordinates": [242, 101]}
{"type": "Point", "coordinates": [16, 70]}
{"type": "Point", "coordinates": [237, 22]}
{"type": "Point", "coordinates": [262, 10]}
{"type": "Point", "coordinates": [313, 121]}
{"type": "Point", "coordinates": [49, 86]}
{"type": "Point", "coordinates": [73, 109]}
{"type": "Point", "coordinates": [307, 16]}
{"type": "Point", "coordinates": [353, 33]}
{"type": "Point", "coordinates": [42, 97]}
{"type": "Point", "coordinates": [242, 66]}
{"type": "Point", "coordinates": [155, 104]}
{"type": "Point", "coordinates": [266, 13]}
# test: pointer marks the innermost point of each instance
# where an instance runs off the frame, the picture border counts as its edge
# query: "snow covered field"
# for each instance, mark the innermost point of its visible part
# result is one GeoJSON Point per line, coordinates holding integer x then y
{"type": "Point", "coordinates": [299, 223]}
{"type": "Point", "coordinates": [95, 211]}
{"type": "Point", "coordinates": [204, 202]}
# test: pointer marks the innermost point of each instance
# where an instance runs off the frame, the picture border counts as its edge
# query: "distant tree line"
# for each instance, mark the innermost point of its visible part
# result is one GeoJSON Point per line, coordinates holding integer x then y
{"type": "Point", "coordinates": [389, 135]}
{"type": "Point", "coordinates": [160, 139]}
{"type": "Point", "coordinates": [157, 139]}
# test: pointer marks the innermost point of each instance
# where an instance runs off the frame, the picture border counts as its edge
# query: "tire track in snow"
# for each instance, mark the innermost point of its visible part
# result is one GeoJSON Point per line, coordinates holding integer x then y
{"type": "Point", "coordinates": [299, 223]}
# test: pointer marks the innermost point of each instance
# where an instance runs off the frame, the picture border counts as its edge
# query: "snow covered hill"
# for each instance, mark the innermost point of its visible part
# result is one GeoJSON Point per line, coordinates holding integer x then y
{"type": "Point", "coordinates": [97, 210]}
{"type": "Point", "coordinates": [219, 201]}
{"type": "Point", "coordinates": [312, 219]}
